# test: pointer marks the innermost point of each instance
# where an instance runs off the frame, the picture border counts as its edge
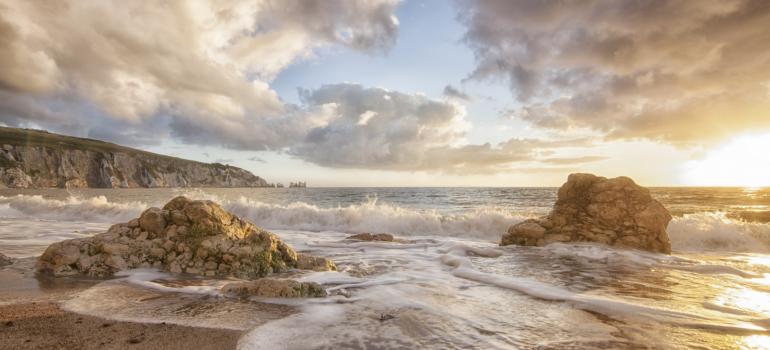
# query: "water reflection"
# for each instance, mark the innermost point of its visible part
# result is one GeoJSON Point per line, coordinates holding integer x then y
{"type": "Point", "coordinates": [755, 342]}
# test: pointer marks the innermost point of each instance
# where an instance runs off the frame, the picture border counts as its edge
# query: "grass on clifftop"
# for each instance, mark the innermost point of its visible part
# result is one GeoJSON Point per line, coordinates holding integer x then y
{"type": "Point", "coordinates": [40, 138]}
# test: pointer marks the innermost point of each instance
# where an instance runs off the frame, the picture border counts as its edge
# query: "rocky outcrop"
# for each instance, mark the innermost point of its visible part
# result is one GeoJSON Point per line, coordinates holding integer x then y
{"type": "Point", "coordinates": [185, 236]}
{"type": "Point", "coordinates": [32, 158]}
{"type": "Point", "coordinates": [274, 288]}
{"type": "Point", "coordinates": [381, 237]}
{"type": "Point", "coordinates": [5, 260]}
{"type": "Point", "coordinates": [590, 208]}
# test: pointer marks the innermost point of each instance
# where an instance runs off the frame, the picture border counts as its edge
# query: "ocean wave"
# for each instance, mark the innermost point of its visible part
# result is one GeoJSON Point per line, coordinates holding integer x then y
{"type": "Point", "coordinates": [488, 223]}
{"type": "Point", "coordinates": [369, 216]}
{"type": "Point", "coordinates": [74, 208]}
{"type": "Point", "coordinates": [715, 231]}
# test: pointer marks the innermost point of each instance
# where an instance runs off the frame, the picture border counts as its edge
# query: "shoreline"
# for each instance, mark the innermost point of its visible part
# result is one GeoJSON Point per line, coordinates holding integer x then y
{"type": "Point", "coordinates": [31, 317]}
{"type": "Point", "coordinates": [45, 325]}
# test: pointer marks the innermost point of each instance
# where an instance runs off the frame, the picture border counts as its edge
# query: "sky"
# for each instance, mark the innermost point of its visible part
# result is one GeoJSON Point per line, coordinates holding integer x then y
{"type": "Point", "coordinates": [405, 93]}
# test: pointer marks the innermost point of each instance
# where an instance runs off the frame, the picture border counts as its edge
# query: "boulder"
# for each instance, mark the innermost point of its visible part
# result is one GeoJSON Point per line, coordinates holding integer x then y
{"type": "Point", "coordinates": [185, 236]}
{"type": "Point", "coordinates": [381, 237]}
{"type": "Point", "coordinates": [590, 208]}
{"type": "Point", "coordinates": [274, 288]}
{"type": "Point", "coordinates": [5, 260]}
{"type": "Point", "coordinates": [315, 263]}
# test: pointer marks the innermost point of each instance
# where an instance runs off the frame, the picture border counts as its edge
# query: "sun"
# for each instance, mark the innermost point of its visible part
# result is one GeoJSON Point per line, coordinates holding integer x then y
{"type": "Point", "coordinates": [744, 161]}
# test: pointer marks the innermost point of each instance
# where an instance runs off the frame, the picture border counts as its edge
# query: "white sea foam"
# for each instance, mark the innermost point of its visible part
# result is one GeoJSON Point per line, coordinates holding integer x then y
{"type": "Point", "coordinates": [692, 232]}
{"type": "Point", "coordinates": [375, 217]}
{"type": "Point", "coordinates": [717, 232]}
{"type": "Point", "coordinates": [598, 252]}
{"type": "Point", "coordinates": [152, 279]}
{"type": "Point", "coordinates": [456, 257]}
{"type": "Point", "coordinates": [121, 301]}
{"type": "Point", "coordinates": [365, 217]}
{"type": "Point", "coordinates": [74, 208]}
{"type": "Point", "coordinates": [710, 269]}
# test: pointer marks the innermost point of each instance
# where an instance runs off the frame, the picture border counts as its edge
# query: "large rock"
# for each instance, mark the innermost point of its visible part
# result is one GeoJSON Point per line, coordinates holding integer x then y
{"type": "Point", "coordinates": [186, 236]}
{"type": "Point", "coordinates": [590, 208]}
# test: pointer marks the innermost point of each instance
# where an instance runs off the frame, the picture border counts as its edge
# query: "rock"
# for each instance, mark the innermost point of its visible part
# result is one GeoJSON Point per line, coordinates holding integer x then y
{"type": "Point", "coordinates": [274, 288]}
{"type": "Point", "coordinates": [5, 260]}
{"type": "Point", "coordinates": [14, 178]}
{"type": "Point", "coordinates": [590, 208]}
{"type": "Point", "coordinates": [385, 317]}
{"type": "Point", "coordinates": [528, 228]}
{"type": "Point", "coordinates": [209, 241]}
{"type": "Point", "coordinates": [152, 220]}
{"type": "Point", "coordinates": [315, 263]}
{"type": "Point", "coordinates": [382, 237]}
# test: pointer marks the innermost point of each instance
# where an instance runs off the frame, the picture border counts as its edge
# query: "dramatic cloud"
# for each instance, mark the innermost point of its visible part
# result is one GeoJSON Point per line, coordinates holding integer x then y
{"type": "Point", "coordinates": [374, 128]}
{"type": "Point", "coordinates": [674, 70]}
{"type": "Point", "coordinates": [200, 67]}
{"type": "Point", "coordinates": [200, 72]}
{"type": "Point", "coordinates": [453, 92]}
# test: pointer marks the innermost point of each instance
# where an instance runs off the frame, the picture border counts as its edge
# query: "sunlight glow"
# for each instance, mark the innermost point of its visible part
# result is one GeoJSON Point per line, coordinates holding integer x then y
{"type": "Point", "coordinates": [756, 342]}
{"type": "Point", "coordinates": [744, 161]}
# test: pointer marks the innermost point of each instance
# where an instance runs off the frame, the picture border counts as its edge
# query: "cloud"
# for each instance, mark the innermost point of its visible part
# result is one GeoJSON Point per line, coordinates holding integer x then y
{"type": "Point", "coordinates": [375, 128]}
{"type": "Point", "coordinates": [677, 71]}
{"type": "Point", "coordinates": [453, 92]}
{"type": "Point", "coordinates": [574, 160]}
{"type": "Point", "coordinates": [200, 70]}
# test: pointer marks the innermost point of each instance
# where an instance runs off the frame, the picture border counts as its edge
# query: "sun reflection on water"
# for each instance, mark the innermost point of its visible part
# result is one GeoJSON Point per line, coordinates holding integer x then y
{"type": "Point", "coordinates": [759, 260]}
{"type": "Point", "coordinates": [755, 342]}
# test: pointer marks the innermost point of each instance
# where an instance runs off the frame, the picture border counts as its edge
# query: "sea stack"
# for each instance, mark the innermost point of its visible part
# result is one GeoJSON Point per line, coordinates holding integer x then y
{"type": "Point", "coordinates": [185, 236]}
{"type": "Point", "coordinates": [590, 208]}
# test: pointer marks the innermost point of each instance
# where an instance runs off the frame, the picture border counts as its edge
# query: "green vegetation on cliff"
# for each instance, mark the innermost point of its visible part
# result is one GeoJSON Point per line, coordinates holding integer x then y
{"type": "Point", "coordinates": [36, 158]}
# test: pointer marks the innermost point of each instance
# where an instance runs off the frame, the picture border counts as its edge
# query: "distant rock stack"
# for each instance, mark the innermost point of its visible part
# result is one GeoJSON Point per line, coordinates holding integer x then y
{"type": "Point", "coordinates": [589, 208]}
{"type": "Point", "coordinates": [186, 236]}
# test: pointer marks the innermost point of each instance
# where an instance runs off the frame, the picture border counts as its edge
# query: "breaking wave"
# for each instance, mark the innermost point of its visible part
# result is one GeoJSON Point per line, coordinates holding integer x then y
{"type": "Point", "coordinates": [710, 231]}
{"type": "Point", "coordinates": [364, 217]}
{"type": "Point", "coordinates": [375, 217]}
{"type": "Point", "coordinates": [715, 231]}
{"type": "Point", "coordinates": [73, 208]}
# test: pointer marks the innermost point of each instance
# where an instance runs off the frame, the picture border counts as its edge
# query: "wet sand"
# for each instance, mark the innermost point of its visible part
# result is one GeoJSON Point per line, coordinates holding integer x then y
{"type": "Point", "coordinates": [44, 325]}
{"type": "Point", "coordinates": [31, 318]}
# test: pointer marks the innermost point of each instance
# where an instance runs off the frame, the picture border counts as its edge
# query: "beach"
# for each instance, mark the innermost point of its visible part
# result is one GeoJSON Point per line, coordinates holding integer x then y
{"type": "Point", "coordinates": [31, 318]}
{"type": "Point", "coordinates": [442, 283]}
{"type": "Point", "coordinates": [44, 325]}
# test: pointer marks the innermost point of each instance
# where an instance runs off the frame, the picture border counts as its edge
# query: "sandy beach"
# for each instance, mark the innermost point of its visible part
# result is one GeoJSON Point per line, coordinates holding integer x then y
{"type": "Point", "coordinates": [31, 318]}
{"type": "Point", "coordinates": [44, 325]}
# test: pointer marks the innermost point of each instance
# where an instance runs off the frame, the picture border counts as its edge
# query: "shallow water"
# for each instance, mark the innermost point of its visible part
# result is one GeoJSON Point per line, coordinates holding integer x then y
{"type": "Point", "coordinates": [451, 287]}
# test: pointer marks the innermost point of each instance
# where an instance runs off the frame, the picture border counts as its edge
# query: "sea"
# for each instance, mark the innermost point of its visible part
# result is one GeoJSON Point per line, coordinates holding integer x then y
{"type": "Point", "coordinates": [448, 285]}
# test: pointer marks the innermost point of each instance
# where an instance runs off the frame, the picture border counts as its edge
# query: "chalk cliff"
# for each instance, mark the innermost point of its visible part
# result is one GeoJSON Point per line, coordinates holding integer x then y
{"type": "Point", "coordinates": [34, 158]}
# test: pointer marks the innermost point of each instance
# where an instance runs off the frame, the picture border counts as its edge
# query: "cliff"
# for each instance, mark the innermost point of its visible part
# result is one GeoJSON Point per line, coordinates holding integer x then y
{"type": "Point", "coordinates": [33, 158]}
